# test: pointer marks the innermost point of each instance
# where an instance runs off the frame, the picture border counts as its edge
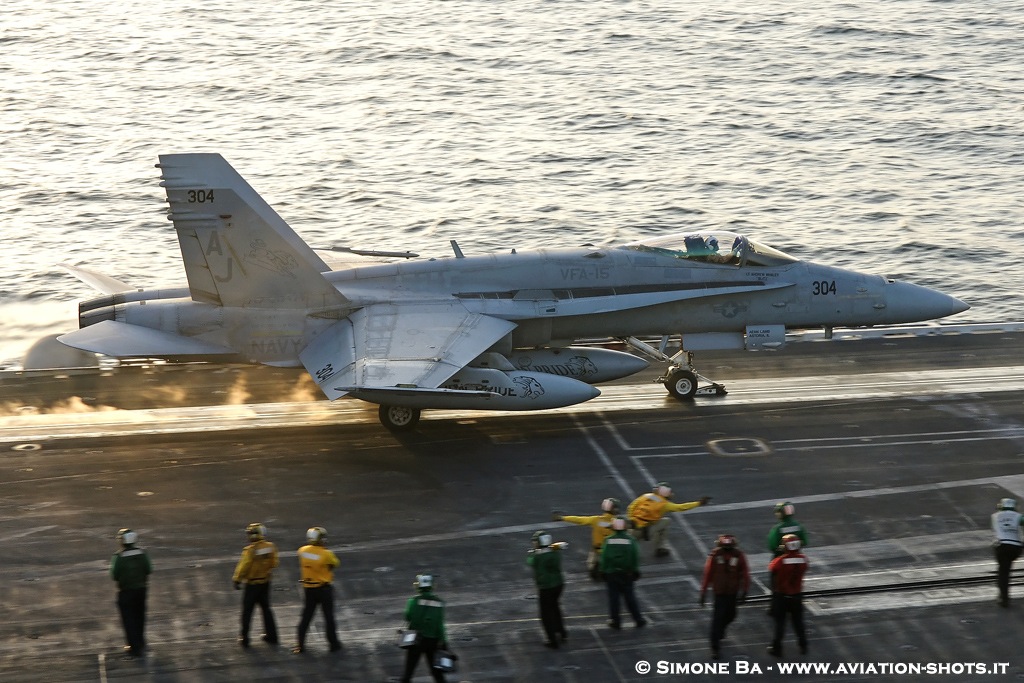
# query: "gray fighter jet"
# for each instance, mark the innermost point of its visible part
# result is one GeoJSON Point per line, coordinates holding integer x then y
{"type": "Point", "coordinates": [492, 332]}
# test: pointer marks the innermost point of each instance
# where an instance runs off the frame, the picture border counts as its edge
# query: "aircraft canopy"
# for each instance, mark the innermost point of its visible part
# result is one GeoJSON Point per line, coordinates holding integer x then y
{"type": "Point", "coordinates": [714, 247]}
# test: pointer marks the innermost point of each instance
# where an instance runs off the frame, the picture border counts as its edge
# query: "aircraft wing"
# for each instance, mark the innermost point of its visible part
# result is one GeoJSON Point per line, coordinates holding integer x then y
{"type": "Point", "coordinates": [391, 345]}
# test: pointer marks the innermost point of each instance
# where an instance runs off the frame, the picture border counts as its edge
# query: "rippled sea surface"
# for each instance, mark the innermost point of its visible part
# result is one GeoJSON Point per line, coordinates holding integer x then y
{"type": "Point", "coordinates": [878, 135]}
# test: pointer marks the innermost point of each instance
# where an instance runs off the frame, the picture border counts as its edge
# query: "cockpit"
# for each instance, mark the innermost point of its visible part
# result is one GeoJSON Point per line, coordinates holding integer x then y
{"type": "Point", "coordinates": [713, 247]}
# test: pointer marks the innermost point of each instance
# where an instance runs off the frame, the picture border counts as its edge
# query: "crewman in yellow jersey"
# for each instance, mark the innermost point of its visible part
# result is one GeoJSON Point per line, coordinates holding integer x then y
{"type": "Point", "coordinates": [317, 564]}
{"type": "Point", "coordinates": [601, 528]}
{"type": "Point", "coordinates": [258, 560]}
{"type": "Point", "coordinates": [647, 515]}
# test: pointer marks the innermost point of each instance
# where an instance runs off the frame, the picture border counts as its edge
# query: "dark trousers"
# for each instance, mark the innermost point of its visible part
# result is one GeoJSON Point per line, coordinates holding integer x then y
{"type": "Point", "coordinates": [258, 594]}
{"type": "Point", "coordinates": [792, 606]}
{"type": "Point", "coordinates": [724, 614]}
{"type": "Point", "coordinates": [323, 596]}
{"type": "Point", "coordinates": [620, 585]}
{"type": "Point", "coordinates": [1006, 553]}
{"type": "Point", "coordinates": [131, 602]}
{"type": "Point", "coordinates": [551, 612]}
{"type": "Point", "coordinates": [426, 647]}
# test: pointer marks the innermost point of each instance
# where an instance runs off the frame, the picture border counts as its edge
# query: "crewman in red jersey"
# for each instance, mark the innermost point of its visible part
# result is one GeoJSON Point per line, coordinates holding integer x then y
{"type": "Point", "coordinates": [727, 573]}
{"type": "Point", "coordinates": [787, 574]}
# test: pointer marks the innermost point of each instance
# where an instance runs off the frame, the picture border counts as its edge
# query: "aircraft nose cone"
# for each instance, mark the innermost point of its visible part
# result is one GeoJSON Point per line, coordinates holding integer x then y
{"type": "Point", "coordinates": [905, 302]}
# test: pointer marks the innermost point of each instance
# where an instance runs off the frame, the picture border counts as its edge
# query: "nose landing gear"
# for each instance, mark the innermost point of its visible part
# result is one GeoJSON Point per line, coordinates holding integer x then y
{"type": "Point", "coordinates": [681, 379]}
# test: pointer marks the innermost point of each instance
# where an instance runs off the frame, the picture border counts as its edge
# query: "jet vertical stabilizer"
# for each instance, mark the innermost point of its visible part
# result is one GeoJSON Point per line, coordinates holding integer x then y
{"type": "Point", "coordinates": [237, 251]}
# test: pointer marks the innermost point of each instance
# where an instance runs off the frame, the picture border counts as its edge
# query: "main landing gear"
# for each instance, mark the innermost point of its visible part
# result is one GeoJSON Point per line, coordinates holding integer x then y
{"type": "Point", "coordinates": [681, 378]}
{"type": "Point", "coordinates": [398, 418]}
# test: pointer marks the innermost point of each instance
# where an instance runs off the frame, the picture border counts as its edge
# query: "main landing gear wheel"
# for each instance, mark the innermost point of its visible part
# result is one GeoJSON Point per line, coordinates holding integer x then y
{"type": "Point", "coordinates": [398, 418]}
{"type": "Point", "coordinates": [682, 384]}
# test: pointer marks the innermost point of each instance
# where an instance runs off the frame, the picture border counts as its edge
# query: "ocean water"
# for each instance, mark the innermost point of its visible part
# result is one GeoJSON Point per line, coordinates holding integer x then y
{"type": "Point", "coordinates": [884, 136]}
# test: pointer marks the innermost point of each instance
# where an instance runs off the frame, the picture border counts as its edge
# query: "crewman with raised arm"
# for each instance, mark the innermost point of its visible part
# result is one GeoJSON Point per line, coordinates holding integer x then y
{"type": "Point", "coordinates": [601, 529]}
{"type": "Point", "coordinates": [647, 515]}
{"type": "Point", "coordinates": [253, 570]}
{"type": "Point", "coordinates": [317, 564]}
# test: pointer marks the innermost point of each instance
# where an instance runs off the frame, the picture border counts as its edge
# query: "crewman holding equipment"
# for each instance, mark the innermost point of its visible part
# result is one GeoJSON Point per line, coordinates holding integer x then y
{"type": "Point", "coordinates": [620, 564]}
{"type": "Point", "coordinates": [787, 577]}
{"type": "Point", "coordinates": [727, 574]}
{"type": "Point", "coordinates": [1006, 523]}
{"type": "Point", "coordinates": [601, 526]}
{"type": "Point", "coordinates": [317, 564]}
{"type": "Point", "coordinates": [647, 514]}
{"type": "Point", "coordinates": [546, 559]}
{"type": "Point", "coordinates": [786, 525]}
{"type": "Point", "coordinates": [425, 614]}
{"type": "Point", "coordinates": [131, 568]}
{"type": "Point", "coordinates": [258, 560]}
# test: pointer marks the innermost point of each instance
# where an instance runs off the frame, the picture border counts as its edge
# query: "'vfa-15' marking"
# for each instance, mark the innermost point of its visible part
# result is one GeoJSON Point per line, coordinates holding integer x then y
{"type": "Point", "coordinates": [477, 332]}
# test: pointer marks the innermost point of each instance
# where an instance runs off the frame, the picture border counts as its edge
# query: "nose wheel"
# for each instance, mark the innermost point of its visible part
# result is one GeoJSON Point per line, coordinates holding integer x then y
{"type": "Point", "coordinates": [681, 379]}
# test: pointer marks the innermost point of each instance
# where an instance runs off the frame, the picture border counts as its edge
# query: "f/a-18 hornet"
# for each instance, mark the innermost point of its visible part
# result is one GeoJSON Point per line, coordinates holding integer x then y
{"type": "Point", "coordinates": [491, 332]}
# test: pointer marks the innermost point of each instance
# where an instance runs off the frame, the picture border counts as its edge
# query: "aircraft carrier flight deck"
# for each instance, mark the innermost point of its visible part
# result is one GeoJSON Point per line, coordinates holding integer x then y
{"type": "Point", "coordinates": [894, 449]}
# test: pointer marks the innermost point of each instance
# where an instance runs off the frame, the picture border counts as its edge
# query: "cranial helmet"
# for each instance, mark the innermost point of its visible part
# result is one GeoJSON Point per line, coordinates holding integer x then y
{"type": "Point", "coordinates": [663, 489]}
{"type": "Point", "coordinates": [786, 509]}
{"type": "Point", "coordinates": [256, 531]}
{"type": "Point", "coordinates": [619, 523]}
{"type": "Point", "coordinates": [726, 541]}
{"type": "Point", "coordinates": [127, 537]}
{"type": "Point", "coordinates": [316, 534]}
{"type": "Point", "coordinates": [424, 581]}
{"type": "Point", "coordinates": [542, 538]}
{"type": "Point", "coordinates": [1007, 504]}
{"type": "Point", "coordinates": [791, 541]}
{"type": "Point", "coordinates": [610, 505]}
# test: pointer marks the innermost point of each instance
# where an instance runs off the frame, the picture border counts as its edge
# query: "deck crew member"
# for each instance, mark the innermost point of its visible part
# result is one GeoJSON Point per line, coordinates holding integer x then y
{"type": "Point", "coordinates": [1006, 523]}
{"type": "Point", "coordinates": [131, 568]}
{"type": "Point", "coordinates": [253, 570]}
{"type": "Point", "coordinates": [317, 564]}
{"type": "Point", "coordinates": [647, 515]}
{"type": "Point", "coordinates": [545, 557]}
{"type": "Point", "coordinates": [620, 565]}
{"type": "Point", "coordinates": [424, 613]}
{"type": "Point", "coordinates": [727, 573]}
{"type": "Point", "coordinates": [786, 525]}
{"type": "Point", "coordinates": [601, 528]}
{"type": "Point", "coordinates": [787, 581]}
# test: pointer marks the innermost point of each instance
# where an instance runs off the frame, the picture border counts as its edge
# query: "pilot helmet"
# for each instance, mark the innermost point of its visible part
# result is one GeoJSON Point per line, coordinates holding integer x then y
{"type": "Point", "coordinates": [1007, 504]}
{"type": "Point", "coordinates": [791, 541]}
{"type": "Point", "coordinates": [610, 505]}
{"type": "Point", "coordinates": [713, 243]}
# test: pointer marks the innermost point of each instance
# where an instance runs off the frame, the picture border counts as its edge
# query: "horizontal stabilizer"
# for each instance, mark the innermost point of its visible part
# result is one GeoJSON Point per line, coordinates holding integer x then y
{"type": "Point", "coordinates": [121, 340]}
{"type": "Point", "coordinates": [98, 281]}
